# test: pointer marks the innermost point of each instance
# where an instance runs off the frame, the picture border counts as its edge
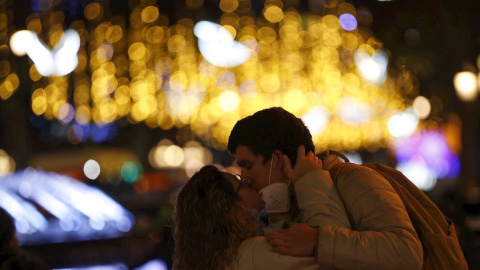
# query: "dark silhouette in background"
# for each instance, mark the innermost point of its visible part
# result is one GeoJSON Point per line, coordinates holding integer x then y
{"type": "Point", "coordinates": [11, 256]}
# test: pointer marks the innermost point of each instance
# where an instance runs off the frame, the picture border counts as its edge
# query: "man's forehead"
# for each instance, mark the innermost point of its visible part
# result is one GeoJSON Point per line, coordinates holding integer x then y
{"type": "Point", "coordinates": [244, 153]}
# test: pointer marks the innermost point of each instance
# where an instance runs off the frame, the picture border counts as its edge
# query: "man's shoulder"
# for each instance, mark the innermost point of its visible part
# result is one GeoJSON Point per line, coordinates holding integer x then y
{"type": "Point", "coordinates": [348, 168]}
{"type": "Point", "coordinates": [358, 175]}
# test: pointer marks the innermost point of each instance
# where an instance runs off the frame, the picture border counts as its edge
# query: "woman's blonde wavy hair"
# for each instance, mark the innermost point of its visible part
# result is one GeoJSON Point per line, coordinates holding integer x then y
{"type": "Point", "coordinates": [209, 222]}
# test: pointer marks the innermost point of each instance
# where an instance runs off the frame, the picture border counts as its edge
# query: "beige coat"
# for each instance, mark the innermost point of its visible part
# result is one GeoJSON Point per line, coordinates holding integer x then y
{"type": "Point", "coordinates": [320, 205]}
{"type": "Point", "coordinates": [384, 237]}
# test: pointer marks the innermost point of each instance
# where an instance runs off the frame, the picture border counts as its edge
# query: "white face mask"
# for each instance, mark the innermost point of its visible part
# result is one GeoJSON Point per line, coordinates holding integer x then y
{"type": "Point", "coordinates": [276, 196]}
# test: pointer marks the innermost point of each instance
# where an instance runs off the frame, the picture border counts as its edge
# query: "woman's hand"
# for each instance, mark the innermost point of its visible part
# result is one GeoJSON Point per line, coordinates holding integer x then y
{"type": "Point", "coordinates": [304, 164]}
{"type": "Point", "coordinates": [330, 161]}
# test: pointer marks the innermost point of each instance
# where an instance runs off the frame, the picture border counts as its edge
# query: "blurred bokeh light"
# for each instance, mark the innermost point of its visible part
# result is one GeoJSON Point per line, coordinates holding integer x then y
{"type": "Point", "coordinates": [68, 208]}
{"type": "Point", "coordinates": [326, 67]}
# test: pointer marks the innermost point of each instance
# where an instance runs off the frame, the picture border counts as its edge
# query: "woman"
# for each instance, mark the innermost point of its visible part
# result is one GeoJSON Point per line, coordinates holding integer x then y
{"type": "Point", "coordinates": [214, 228]}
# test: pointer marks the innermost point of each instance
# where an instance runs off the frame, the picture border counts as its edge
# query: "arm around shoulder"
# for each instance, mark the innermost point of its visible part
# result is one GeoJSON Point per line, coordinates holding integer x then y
{"type": "Point", "coordinates": [319, 202]}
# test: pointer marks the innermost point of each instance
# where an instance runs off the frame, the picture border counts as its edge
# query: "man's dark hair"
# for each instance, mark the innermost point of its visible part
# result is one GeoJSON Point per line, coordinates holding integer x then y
{"type": "Point", "coordinates": [268, 130]}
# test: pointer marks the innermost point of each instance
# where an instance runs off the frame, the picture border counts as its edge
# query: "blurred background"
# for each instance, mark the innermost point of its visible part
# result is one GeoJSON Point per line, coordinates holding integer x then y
{"type": "Point", "coordinates": [108, 107]}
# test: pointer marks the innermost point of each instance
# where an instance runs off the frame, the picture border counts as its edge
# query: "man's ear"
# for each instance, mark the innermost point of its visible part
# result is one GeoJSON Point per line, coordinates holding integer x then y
{"type": "Point", "coordinates": [278, 162]}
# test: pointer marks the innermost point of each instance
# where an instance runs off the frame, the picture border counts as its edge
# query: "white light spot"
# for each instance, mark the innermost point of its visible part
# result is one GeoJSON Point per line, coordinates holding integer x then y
{"type": "Point", "coordinates": [59, 61]}
{"type": "Point", "coordinates": [421, 107]}
{"type": "Point", "coordinates": [174, 155]}
{"type": "Point", "coordinates": [372, 68]}
{"type": "Point", "coordinates": [20, 42]}
{"type": "Point", "coordinates": [193, 166]}
{"type": "Point", "coordinates": [316, 119]}
{"type": "Point", "coordinates": [466, 85]}
{"type": "Point", "coordinates": [229, 100]}
{"type": "Point", "coordinates": [403, 124]}
{"type": "Point", "coordinates": [216, 44]}
{"type": "Point", "coordinates": [353, 111]}
{"type": "Point", "coordinates": [354, 157]}
{"type": "Point", "coordinates": [417, 171]}
{"type": "Point", "coordinates": [91, 169]}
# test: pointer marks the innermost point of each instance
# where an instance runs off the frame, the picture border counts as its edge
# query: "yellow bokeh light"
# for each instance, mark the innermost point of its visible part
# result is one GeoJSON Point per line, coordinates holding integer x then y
{"type": "Point", "coordinates": [332, 39]}
{"type": "Point", "coordinates": [178, 81]}
{"type": "Point", "coordinates": [39, 101]}
{"type": "Point", "coordinates": [81, 92]}
{"type": "Point", "coordinates": [13, 82]}
{"type": "Point", "coordinates": [7, 163]}
{"type": "Point", "coordinates": [226, 80]}
{"type": "Point", "coordinates": [114, 33]}
{"type": "Point", "coordinates": [146, 69]}
{"type": "Point", "coordinates": [122, 95]}
{"type": "Point", "coordinates": [294, 101]}
{"type": "Point", "coordinates": [4, 68]}
{"type": "Point", "coordinates": [150, 14]}
{"type": "Point", "coordinates": [136, 51]}
{"type": "Point", "coordinates": [155, 34]}
{"type": "Point", "coordinates": [194, 4]}
{"type": "Point", "coordinates": [273, 13]}
{"type": "Point", "coordinates": [176, 43]}
{"type": "Point", "coordinates": [266, 34]}
{"type": "Point", "coordinates": [93, 11]}
{"type": "Point", "coordinates": [349, 41]}
{"type": "Point", "coordinates": [331, 22]}
{"type": "Point", "coordinates": [231, 30]}
{"type": "Point", "coordinates": [34, 24]}
{"type": "Point", "coordinates": [270, 83]}
{"type": "Point", "coordinates": [105, 52]}
{"type": "Point", "coordinates": [143, 108]}
{"type": "Point", "coordinates": [107, 111]}
{"type": "Point", "coordinates": [289, 32]}
{"type": "Point", "coordinates": [228, 5]}
{"type": "Point", "coordinates": [83, 114]}
{"type": "Point", "coordinates": [56, 33]}
{"type": "Point", "coordinates": [229, 101]}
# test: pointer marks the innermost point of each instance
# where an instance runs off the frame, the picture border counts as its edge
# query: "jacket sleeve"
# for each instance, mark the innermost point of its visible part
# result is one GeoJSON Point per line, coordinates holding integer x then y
{"type": "Point", "coordinates": [384, 237]}
{"type": "Point", "coordinates": [319, 202]}
{"type": "Point", "coordinates": [256, 253]}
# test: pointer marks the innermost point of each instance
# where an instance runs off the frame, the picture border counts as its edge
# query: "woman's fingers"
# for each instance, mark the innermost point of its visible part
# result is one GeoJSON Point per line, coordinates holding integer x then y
{"type": "Point", "coordinates": [289, 169]}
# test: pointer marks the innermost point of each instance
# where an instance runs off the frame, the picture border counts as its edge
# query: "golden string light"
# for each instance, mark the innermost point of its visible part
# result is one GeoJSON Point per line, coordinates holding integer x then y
{"type": "Point", "coordinates": [153, 72]}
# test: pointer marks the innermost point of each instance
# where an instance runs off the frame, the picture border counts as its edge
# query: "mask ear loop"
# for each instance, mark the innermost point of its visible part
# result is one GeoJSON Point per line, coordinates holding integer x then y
{"type": "Point", "coordinates": [285, 170]}
{"type": "Point", "coordinates": [270, 173]}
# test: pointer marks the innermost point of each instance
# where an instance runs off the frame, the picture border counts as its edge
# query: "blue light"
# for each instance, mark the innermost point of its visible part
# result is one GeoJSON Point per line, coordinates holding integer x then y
{"type": "Point", "coordinates": [103, 133]}
{"type": "Point", "coordinates": [81, 131]}
{"type": "Point", "coordinates": [348, 21]}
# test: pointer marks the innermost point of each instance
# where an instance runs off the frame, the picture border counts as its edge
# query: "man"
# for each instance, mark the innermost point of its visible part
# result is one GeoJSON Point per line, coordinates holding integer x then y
{"type": "Point", "coordinates": [383, 238]}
